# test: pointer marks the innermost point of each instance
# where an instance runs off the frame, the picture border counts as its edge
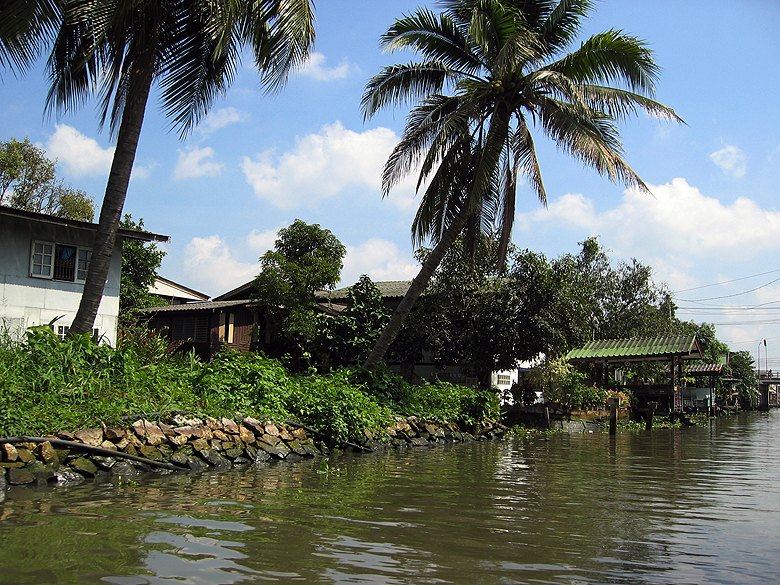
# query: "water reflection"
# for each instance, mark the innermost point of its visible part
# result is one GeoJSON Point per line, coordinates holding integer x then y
{"type": "Point", "coordinates": [689, 505]}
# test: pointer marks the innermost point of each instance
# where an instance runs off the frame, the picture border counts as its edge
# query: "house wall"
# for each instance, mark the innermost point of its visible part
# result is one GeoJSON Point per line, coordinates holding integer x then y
{"type": "Point", "coordinates": [26, 301]}
{"type": "Point", "coordinates": [242, 325]}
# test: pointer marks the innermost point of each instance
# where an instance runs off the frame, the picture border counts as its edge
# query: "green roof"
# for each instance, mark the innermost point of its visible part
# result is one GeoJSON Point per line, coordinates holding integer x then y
{"type": "Point", "coordinates": [638, 349]}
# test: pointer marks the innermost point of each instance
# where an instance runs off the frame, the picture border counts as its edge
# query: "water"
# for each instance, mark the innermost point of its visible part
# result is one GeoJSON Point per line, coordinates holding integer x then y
{"type": "Point", "coordinates": [693, 505]}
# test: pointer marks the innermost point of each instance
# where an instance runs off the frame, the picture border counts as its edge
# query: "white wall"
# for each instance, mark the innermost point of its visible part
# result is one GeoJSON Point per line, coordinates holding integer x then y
{"type": "Point", "coordinates": [26, 301]}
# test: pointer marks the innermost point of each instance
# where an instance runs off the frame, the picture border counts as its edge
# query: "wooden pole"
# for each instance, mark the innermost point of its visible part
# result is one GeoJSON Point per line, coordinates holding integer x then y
{"type": "Point", "coordinates": [650, 413]}
{"type": "Point", "coordinates": [613, 407]}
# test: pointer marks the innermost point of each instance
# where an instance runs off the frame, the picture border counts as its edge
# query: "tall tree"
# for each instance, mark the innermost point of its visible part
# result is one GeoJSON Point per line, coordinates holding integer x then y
{"type": "Point", "coordinates": [118, 48]}
{"type": "Point", "coordinates": [503, 66]}
{"type": "Point", "coordinates": [306, 258]}
{"type": "Point", "coordinates": [28, 180]}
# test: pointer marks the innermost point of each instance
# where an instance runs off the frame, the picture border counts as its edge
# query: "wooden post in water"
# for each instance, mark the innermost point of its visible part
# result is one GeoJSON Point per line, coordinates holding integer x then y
{"type": "Point", "coordinates": [613, 408]}
{"type": "Point", "coordinates": [650, 413]}
{"type": "Point", "coordinates": [547, 415]}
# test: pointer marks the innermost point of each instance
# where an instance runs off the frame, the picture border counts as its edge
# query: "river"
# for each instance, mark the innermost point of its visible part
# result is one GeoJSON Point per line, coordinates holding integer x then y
{"type": "Point", "coordinates": [685, 506]}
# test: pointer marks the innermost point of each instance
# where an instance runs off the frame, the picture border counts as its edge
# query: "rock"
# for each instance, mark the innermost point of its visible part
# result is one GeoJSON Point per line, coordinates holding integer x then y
{"type": "Point", "coordinates": [419, 442]}
{"type": "Point", "coordinates": [84, 466]}
{"type": "Point", "coordinates": [194, 431]}
{"type": "Point", "coordinates": [65, 435]}
{"type": "Point", "coordinates": [261, 457]}
{"type": "Point", "coordinates": [285, 436]}
{"type": "Point", "coordinates": [200, 444]}
{"type": "Point", "coordinates": [246, 435]}
{"type": "Point", "coordinates": [220, 436]}
{"type": "Point", "coordinates": [25, 455]}
{"type": "Point", "coordinates": [109, 446]}
{"type": "Point", "coordinates": [122, 443]}
{"type": "Point", "coordinates": [49, 455]}
{"type": "Point", "coordinates": [297, 447]}
{"type": "Point", "coordinates": [104, 463]}
{"type": "Point", "coordinates": [216, 444]}
{"type": "Point", "coordinates": [67, 477]}
{"type": "Point", "coordinates": [114, 434]}
{"type": "Point", "coordinates": [196, 463]}
{"type": "Point", "coordinates": [271, 429]}
{"type": "Point", "coordinates": [41, 471]}
{"type": "Point", "coordinates": [124, 469]}
{"type": "Point", "coordinates": [166, 451]}
{"type": "Point", "coordinates": [151, 452]}
{"type": "Point", "coordinates": [279, 451]}
{"type": "Point", "coordinates": [2, 482]}
{"type": "Point", "coordinates": [213, 423]}
{"type": "Point", "coordinates": [166, 429]}
{"type": "Point", "coordinates": [150, 431]}
{"type": "Point", "coordinates": [215, 459]}
{"type": "Point", "coordinates": [230, 426]}
{"type": "Point", "coordinates": [182, 420]}
{"type": "Point", "coordinates": [271, 440]}
{"type": "Point", "coordinates": [300, 434]}
{"type": "Point", "coordinates": [232, 454]}
{"type": "Point", "coordinates": [255, 425]}
{"type": "Point", "coordinates": [180, 458]}
{"type": "Point", "coordinates": [92, 437]}
{"type": "Point", "coordinates": [178, 440]}
{"type": "Point", "coordinates": [9, 452]}
{"type": "Point", "coordinates": [20, 476]}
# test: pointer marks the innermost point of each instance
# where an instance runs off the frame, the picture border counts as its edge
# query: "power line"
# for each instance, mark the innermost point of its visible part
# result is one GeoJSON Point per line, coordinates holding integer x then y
{"type": "Point", "coordinates": [728, 281]}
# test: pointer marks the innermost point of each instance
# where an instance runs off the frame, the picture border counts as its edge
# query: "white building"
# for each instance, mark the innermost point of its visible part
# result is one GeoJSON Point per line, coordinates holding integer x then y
{"type": "Point", "coordinates": [43, 267]}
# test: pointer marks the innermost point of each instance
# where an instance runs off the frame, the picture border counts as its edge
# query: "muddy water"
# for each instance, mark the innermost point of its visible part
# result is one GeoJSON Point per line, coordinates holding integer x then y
{"type": "Point", "coordinates": [693, 505]}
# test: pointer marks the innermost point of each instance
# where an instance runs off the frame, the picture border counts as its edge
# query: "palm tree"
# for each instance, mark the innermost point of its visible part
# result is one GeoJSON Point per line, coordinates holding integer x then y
{"type": "Point", "coordinates": [119, 48]}
{"type": "Point", "coordinates": [490, 70]}
{"type": "Point", "coordinates": [25, 27]}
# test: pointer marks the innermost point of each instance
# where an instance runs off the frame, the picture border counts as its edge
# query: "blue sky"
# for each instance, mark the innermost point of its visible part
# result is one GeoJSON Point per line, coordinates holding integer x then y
{"type": "Point", "coordinates": [711, 230]}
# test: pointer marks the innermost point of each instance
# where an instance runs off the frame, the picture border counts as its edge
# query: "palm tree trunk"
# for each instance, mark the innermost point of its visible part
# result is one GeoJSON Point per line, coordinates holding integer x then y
{"type": "Point", "coordinates": [116, 189]}
{"type": "Point", "coordinates": [416, 288]}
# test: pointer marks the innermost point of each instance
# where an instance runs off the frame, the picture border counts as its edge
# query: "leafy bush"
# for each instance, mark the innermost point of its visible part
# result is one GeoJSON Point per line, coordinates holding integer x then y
{"type": "Point", "coordinates": [444, 402]}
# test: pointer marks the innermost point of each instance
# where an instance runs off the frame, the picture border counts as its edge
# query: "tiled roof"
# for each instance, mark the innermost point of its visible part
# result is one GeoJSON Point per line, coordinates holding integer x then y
{"type": "Point", "coordinates": [389, 289]}
{"type": "Point", "coordinates": [638, 349]}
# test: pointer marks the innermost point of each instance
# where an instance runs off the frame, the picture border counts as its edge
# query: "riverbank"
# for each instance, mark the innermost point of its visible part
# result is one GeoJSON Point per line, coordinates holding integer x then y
{"type": "Point", "coordinates": [182, 443]}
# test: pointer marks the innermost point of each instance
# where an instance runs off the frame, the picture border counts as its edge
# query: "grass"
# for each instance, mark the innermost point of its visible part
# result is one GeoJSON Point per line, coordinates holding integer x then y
{"type": "Point", "coordinates": [47, 385]}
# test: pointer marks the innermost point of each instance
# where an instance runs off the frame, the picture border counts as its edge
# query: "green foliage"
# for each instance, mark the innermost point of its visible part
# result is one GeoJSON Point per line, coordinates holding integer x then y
{"type": "Point", "coordinates": [306, 258]}
{"type": "Point", "coordinates": [28, 181]}
{"type": "Point", "coordinates": [742, 368]}
{"type": "Point", "coordinates": [348, 337]}
{"type": "Point", "coordinates": [47, 385]}
{"type": "Point", "coordinates": [140, 263]}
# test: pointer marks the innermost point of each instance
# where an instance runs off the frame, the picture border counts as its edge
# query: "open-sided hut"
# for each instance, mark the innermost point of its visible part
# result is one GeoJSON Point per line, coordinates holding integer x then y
{"type": "Point", "coordinates": [674, 350]}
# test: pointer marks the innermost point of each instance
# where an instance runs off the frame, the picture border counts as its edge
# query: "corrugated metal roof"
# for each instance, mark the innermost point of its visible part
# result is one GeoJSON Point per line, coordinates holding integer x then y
{"type": "Point", "coordinates": [704, 368]}
{"type": "Point", "coordinates": [638, 349]}
{"type": "Point", "coordinates": [205, 306]}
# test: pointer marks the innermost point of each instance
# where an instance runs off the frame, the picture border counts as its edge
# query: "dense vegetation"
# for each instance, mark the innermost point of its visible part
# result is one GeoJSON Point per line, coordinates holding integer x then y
{"type": "Point", "coordinates": [47, 385]}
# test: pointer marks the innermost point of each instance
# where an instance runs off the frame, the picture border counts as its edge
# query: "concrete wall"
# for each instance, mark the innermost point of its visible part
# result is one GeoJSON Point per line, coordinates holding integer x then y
{"type": "Point", "coordinates": [26, 301]}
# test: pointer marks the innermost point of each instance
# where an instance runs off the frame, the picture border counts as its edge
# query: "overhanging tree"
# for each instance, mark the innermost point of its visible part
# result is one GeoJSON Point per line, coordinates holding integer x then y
{"type": "Point", "coordinates": [118, 48]}
{"type": "Point", "coordinates": [491, 70]}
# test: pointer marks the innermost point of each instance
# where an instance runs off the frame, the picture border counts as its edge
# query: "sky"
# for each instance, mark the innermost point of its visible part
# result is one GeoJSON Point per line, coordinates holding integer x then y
{"type": "Point", "coordinates": [710, 230]}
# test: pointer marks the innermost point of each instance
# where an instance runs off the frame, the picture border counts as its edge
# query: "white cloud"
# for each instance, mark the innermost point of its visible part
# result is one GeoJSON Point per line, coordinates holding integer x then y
{"type": "Point", "coordinates": [210, 265]}
{"type": "Point", "coordinates": [380, 259]}
{"type": "Point", "coordinates": [673, 230]}
{"type": "Point", "coordinates": [261, 242]}
{"type": "Point", "coordinates": [192, 164]}
{"type": "Point", "coordinates": [220, 118]}
{"type": "Point", "coordinates": [315, 68]}
{"type": "Point", "coordinates": [325, 165]}
{"type": "Point", "coordinates": [731, 160]}
{"type": "Point", "coordinates": [79, 155]}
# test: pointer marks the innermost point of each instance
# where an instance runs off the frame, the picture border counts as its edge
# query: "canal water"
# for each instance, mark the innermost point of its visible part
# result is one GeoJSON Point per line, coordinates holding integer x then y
{"type": "Point", "coordinates": [691, 505]}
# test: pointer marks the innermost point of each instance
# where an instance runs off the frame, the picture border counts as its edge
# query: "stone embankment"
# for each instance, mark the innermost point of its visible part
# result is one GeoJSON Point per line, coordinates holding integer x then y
{"type": "Point", "coordinates": [182, 443]}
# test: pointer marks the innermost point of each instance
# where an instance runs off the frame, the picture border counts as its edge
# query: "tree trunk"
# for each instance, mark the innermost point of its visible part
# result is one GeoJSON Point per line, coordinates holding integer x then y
{"type": "Point", "coordinates": [415, 289]}
{"type": "Point", "coordinates": [116, 189]}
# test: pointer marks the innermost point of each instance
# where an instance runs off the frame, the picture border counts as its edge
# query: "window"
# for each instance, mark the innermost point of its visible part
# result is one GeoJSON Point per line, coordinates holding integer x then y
{"type": "Point", "coordinates": [503, 380]}
{"type": "Point", "coordinates": [195, 328]}
{"type": "Point", "coordinates": [59, 262]}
